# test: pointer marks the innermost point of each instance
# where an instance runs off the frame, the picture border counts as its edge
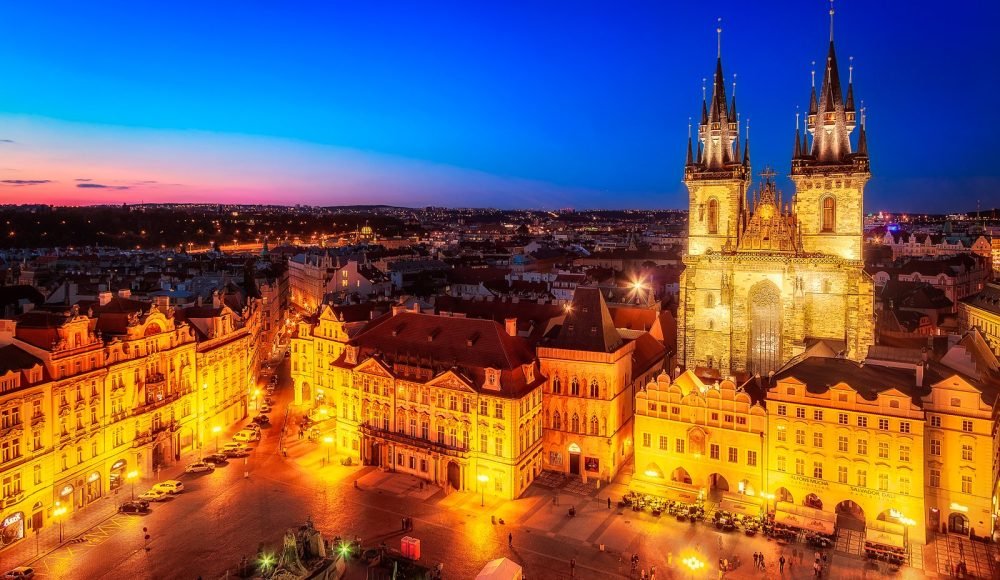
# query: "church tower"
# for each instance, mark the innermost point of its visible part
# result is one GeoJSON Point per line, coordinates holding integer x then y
{"type": "Point", "coordinates": [715, 176]}
{"type": "Point", "coordinates": [830, 175]}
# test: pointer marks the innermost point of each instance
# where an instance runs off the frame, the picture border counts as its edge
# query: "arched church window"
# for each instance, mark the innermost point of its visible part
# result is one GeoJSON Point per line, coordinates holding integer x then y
{"type": "Point", "coordinates": [556, 421]}
{"type": "Point", "coordinates": [713, 216]}
{"type": "Point", "coordinates": [594, 424]}
{"type": "Point", "coordinates": [595, 390]}
{"type": "Point", "coordinates": [575, 425]}
{"type": "Point", "coordinates": [574, 387]}
{"type": "Point", "coordinates": [556, 386]}
{"type": "Point", "coordinates": [710, 300]}
{"type": "Point", "coordinates": [829, 213]}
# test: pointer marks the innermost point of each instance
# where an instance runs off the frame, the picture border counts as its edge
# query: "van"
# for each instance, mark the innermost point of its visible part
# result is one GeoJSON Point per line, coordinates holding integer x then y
{"type": "Point", "coordinates": [246, 436]}
{"type": "Point", "coordinates": [170, 486]}
{"type": "Point", "coordinates": [20, 572]}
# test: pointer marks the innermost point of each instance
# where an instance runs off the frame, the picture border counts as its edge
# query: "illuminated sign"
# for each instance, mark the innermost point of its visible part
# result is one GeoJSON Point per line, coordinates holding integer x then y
{"type": "Point", "coordinates": [118, 464]}
{"type": "Point", "coordinates": [574, 448]}
{"type": "Point", "coordinates": [66, 490]}
{"type": "Point", "coordinates": [958, 507]}
{"type": "Point", "coordinates": [12, 519]}
{"type": "Point", "coordinates": [93, 477]}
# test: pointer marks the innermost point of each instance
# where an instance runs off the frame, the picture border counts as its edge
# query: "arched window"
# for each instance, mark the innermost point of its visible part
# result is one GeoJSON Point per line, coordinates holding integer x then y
{"type": "Point", "coordinates": [710, 300]}
{"type": "Point", "coordinates": [595, 390]}
{"type": "Point", "coordinates": [575, 425]}
{"type": "Point", "coordinates": [556, 387]}
{"type": "Point", "coordinates": [594, 425]}
{"type": "Point", "coordinates": [713, 216]}
{"type": "Point", "coordinates": [829, 213]}
{"type": "Point", "coordinates": [574, 387]}
{"type": "Point", "coordinates": [556, 421]}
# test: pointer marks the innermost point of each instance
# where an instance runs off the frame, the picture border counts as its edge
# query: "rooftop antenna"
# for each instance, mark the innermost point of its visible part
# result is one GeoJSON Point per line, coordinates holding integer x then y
{"type": "Point", "coordinates": [831, 20]}
{"type": "Point", "coordinates": [718, 32]}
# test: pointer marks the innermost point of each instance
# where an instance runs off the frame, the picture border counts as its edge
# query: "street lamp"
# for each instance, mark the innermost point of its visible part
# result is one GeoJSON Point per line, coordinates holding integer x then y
{"type": "Point", "coordinates": [482, 488]}
{"type": "Point", "coordinates": [693, 564]}
{"type": "Point", "coordinates": [130, 477]}
{"type": "Point", "coordinates": [216, 431]}
{"type": "Point", "coordinates": [58, 514]}
{"type": "Point", "coordinates": [256, 399]}
{"type": "Point", "coordinates": [328, 441]}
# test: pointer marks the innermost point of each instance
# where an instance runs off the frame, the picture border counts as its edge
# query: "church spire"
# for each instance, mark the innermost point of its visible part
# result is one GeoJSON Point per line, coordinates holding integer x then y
{"type": "Point", "coordinates": [690, 160]}
{"type": "Point", "coordinates": [862, 136]}
{"type": "Point", "coordinates": [831, 120]}
{"type": "Point", "coordinates": [746, 148]}
{"type": "Point", "coordinates": [797, 150]}
{"type": "Point", "coordinates": [718, 132]}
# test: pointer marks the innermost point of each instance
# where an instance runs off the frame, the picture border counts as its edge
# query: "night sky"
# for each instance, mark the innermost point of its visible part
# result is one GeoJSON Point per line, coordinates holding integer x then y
{"type": "Point", "coordinates": [507, 104]}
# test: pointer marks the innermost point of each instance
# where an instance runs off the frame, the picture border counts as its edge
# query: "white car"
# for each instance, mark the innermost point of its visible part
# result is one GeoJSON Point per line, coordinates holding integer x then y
{"type": "Point", "coordinates": [199, 467]}
{"type": "Point", "coordinates": [153, 495]}
{"type": "Point", "coordinates": [170, 486]}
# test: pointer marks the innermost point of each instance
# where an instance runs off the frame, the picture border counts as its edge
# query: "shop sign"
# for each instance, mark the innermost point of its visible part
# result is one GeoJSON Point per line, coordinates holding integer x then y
{"type": "Point", "coordinates": [12, 529]}
{"type": "Point", "coordinates": [118, 464]}
{"type": "Point", "coordinates": [592, 464]}
{"type": "Point", "coordinates": [66, 490]}
{"type": "Point", "coordinates": [810, 481]}
{"type": "Point", "coordinates": [12, 519]}
{"type": "Point", "coordinates": [871, 492]}
{"type": "Point", "coordinates": [93, 477]}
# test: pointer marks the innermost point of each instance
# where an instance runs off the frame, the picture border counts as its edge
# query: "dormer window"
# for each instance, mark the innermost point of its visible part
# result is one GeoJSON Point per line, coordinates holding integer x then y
{"type": "Point", "coordinates": [492, 379]}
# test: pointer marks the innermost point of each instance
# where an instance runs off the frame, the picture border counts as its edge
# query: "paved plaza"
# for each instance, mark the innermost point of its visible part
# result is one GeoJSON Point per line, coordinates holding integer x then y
{"type": "Point", "coordinates": [239, 509]}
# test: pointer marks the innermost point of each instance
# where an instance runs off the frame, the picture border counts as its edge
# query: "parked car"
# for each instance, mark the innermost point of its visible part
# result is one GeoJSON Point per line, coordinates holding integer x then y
{"type": "Point", "coordinates": [199, 467]}
{"type": "Point", "coordinates": [20, 572]}
{"type": "Point", "coordinates": [215, 459]}
{"type": "Point", "coordinates": [170, 486]}
{"type": "Point", "coordinates": [246, 436]}
{"type": "Point", "coordinates": [262, 419]}
{"type": "Point", "coordinates": [129, 507]}
{"type": "Point", "coordinates": [237, 452]}
{"type": "Point", "coordinates": [265, 408]}
{"type": "Point", "coordinates": [153, 495]}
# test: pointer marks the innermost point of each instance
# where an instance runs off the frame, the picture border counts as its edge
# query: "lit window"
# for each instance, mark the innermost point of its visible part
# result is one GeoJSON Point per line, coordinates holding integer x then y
{"type": "Point", "coordinates": [935, 447]}
{"type": "Point", "coordinates": [829, 211]}
{"type": "Point", "coordinates": [817, 470]}
{"type": "Point", "coordinates": [800, 467]}
{"type": "Point", "coordinates": [967, 426]}
{"type": "Point", "coordinates": [966, 484]}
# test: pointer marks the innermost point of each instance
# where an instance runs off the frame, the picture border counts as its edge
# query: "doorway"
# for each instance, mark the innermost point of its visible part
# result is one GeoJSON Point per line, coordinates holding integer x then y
{"type": "Point", "coordinates": [454, 475]}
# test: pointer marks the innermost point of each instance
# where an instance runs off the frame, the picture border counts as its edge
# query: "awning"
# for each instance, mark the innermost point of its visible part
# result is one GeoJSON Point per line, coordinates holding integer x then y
{"type": "Point", "coordinates": [885, 533]}
{"type": "Point", "coordinates": [737, 504]}
{"type": "Point", "coordinates": [806, 518]}
{"type": "Point", "coordinates": [673, 491]}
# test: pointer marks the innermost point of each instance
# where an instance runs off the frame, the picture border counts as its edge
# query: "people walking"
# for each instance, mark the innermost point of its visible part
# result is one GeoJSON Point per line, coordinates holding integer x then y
{"type": "Point", "coordinates": [756, 560]}
{"type": "Point", "coordinates": [781, 564]}
{"type": "Point", "coordinates": [510, 539]}
{"type": "Point", "coordinates": [572, 567]}
{"type": "Point", "coordinates": [609, 502]}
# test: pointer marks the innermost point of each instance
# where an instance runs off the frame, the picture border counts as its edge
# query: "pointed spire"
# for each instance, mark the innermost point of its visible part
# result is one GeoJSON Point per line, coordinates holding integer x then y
{"type": "Point", "coordinates": [704, 102]}
{"type": "Point", "coordinates": [746, 147]}
{"type": "Point", "coordinates": [863, 135]}
{"type": "Point", "coordinates": [812, 91]}
{"type": "Point", "coordinates": [690, 160]}
{"type": "Point", "coordinates": [849, 104]}
{"type": "Point", "coordinates": [701, 156]}
{"type": "Point", "coordinates": [732, 110]}
{"type": "Point", "coordinates": [796, 151]}
{"type": "Point", "coordinates": [718, 31]}
{"type": "Point", "coordinates": [831, 20]}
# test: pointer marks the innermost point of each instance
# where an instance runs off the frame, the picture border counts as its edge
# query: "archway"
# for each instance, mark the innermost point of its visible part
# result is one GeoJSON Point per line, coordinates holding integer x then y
{"type": "Point", "coordinates": [454, 475]}
{"type": "Point", "coordinates": [375, 455]}
{"type": "Point", "coordinates": [574, 458]}
{"type": "Point", "coordinates": [681, 475]}
{"type": "Point", "coordinates": [116, 476]}
{"type": "Point", "coordinates": [812, 500]}
{"type": "Point", "coordinates": [782, 494]}
{"type": "Point", "coordinates": [958, 524]}
{"type": "Point", "coordinates": [716, 485]}
{"type": "Point", "coordinates": [157, 455]}
{"type": "Point", "coordinates": [764, 347]}
{"type": "Point", "coordinates": [306, 392]}
{"type": "Point", "coordinates": [848, 508]}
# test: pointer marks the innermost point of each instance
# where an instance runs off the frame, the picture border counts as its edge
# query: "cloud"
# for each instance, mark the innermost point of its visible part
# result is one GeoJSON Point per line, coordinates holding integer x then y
{"type": "Point", "coordinates": [100, 186]}
{"type": "Point", "coordinates": [84, 179]}
{"type": "Point", "coordinates": [6, 140]}
{"type": "Point", "coordinates": [26, 181]}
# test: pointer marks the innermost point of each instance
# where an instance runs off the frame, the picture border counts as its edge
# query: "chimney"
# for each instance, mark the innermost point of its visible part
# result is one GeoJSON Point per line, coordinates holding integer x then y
{"type": "Point", "coordinates": [920, 374]}
{"type": "Point", "coordinates": [416, 308]}
{"type": "Point", "coordinates": [216, 302]}
{"type": "Point", "coordinates": [511, 325]}
{"type": "Point", "coordinates": [125, 293]}
{"type": "Point", "coordinates": [103, 298]}
{"type": "Point", "coordinates": [397, 309]}
{"type": "Point", "coordinates": [7, 330]}
{"type": "Point", "coordinates": [162, 302]}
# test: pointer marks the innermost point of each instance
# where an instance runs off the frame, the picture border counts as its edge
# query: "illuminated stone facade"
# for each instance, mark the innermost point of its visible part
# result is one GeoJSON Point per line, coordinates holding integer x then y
{"type": "Point", "coordinates": [765, 278]}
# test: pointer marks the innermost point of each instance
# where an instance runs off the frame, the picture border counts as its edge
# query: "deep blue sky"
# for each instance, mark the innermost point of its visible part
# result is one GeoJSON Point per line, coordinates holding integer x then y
{"type": "Point", "coordinates": [589, 99]}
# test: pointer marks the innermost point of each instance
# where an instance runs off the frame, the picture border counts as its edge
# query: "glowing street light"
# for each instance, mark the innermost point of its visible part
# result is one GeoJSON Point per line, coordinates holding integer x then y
{"type": "Point", "coordinates": [58, 514]}
{"type": "Point", "coordinates": [131, 477]}
{"type": "Point", "coordinates": [482, 488]}
{"type": "Point", "coordinates": [216, 431]}
{"type": "Point", "coordinates": [693, 564]}
{"type": "Point", "coordinates": [328, 441]}
{"type": "Point", "coordinates": [266, 561]}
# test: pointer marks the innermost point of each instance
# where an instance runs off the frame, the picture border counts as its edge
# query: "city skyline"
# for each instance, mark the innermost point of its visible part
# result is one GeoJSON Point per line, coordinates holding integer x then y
{"type": "Point", "coordinates": [446, 106]}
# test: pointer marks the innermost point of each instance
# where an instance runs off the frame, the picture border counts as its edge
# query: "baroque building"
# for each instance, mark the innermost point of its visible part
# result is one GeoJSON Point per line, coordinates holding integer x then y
{"type": "Point", "coordinates": [766, 277]}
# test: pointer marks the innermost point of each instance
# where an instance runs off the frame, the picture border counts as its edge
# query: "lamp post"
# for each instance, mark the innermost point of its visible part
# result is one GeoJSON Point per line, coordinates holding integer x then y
{"type": "Point", "coordinates": [130, 477]}
{"type": "Point", "coordinates": [58, 514]}
{"type": "Point", "coordinates": [256, 399]}
{"type": "Point", "coordinates": [693, 564]}
{"type": "Point", "coordinates": [482, 488]}
{"type": "Point", "coordinates": [216, 431]}
{"type": "Point", "coordinates": [328, 441]}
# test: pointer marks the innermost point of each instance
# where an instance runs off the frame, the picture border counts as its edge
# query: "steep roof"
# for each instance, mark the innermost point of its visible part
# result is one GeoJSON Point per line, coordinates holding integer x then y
{"type": "Point", "coordinates": [588, 324]}
{"type": "Point", "coordinates": [14, 359]}
{"type": "Point", "coordinates": [868, 380]}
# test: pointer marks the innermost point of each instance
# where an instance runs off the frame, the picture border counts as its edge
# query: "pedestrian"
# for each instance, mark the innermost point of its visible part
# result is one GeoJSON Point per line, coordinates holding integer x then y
{"type": "Point", "coordinates": [609, 502]}
{"type": "Point", "coordinates": [756, 561]}
{"type": "Point", "coordinates": [652, 573]}
{"type": "Point", "coordinates": [781, 564]}
{"type": "Point", "coordinates": [572, 567]}
{"type": "Point", "coordinates": [510, 539]}
{"type": "Point", "coordinates": [762, 565]}
{"type": "Point", "coordinates": [642, 574]}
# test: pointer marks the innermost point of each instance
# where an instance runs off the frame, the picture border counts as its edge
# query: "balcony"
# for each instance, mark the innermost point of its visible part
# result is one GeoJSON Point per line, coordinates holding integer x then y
{"type": "Point", "coordinates": [13, 499]}
{"type": "Point", "coordinates": [155, 379]}
{"type": "Point", "coordinates": [418, 442]}
{"type": "Point", "coordinates": [37, 419]}
{"type": "Point", "coordinates": [5, 431]}
{"type": "Point", "coordinates": [142, 438]}
{"type": "Point", "coordinates": [154, 404]}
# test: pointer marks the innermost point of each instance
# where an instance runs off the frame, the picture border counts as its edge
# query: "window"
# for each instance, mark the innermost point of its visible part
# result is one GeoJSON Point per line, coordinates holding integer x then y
{"type": "Point", "coordinates": [829, 210]}
{"type": "Point", "coordinates": [904, 484]}
{"type": "Point", "coordinates": [862, 421]}
{"type": "Point", "coordinates": [817, 414]}
{"type": "Point", "coordinates": [727, 418]}
{"type": "Point", "coordinates": [38, 475]}
{"type": "Point", "coordinates": [800, 413]}
{"type": "Point", "coordinates": [781, 463]}
{"type": "Point", "coordinates": [800, 437]}
{"type": "Point", "coordinates": [862, 478]}
{"type": "Point", "coordinates": [713, 451]}
{"type": "Point", "coordinates": [557, 423]}
{"type": "Point", "coordinates": [595, 390]}
{"type": "Point", "coordinates": [465, 404]}
{"type": "Point", "coordinates": [966, 452]}
{"type": "Point", "coordinates": [935, 478]}
{"type": "Point", "coordinates": [574, 387]}
{"type": "Point", "coordinates": [842, 418]}
{"type": "Point", "coordinates": [817, 438]}
{"type": "Point", "coordinates": [499, 445]}
{"type": "Point", "coordinates": [841, 474]}
{"type": "Point", "coordinates": [883, 424]}
{"type": "Point", "coordinates": [817, 470]}
{"type": "Point", "coordinates": [800, 466]}
{"type": "Point", "coordinates": [647, 439]}
{"type": "Point", "coordinates": [741, 420]}
{"type": "Point", "coordinates": [484, 407]}
{"type": "Point", "coordinates": [967, 426]}
{"type": "Point", "coordinates": [713, 216]}
{"type": "Point", "coordinates": [782, 434]}
{"type": "Point", "coordinates": [453, 402]}
{"type": "Point", "coordinates": [904, 426]}
{"type": "Point", "coordinates": [715, 416]}
{"type": "Point", "coordinates": [679, 446]}
{"type": "Point", "coordinates": [883, 481]}
{"type": "Point", "coordinates": [752, 458]}
{"type": "Point", "coordinates": [883, 450]}
{"type": "Point", "coordinates": [556, 385]}
{"type": "Point", "coordinates": [956, 402]}
{"type": "Point", "coordinates": [904, 453]}
{"type": "Point", "coordinates": [675, 410]}
{"type": "Point", "coordinates": [575, 423]}
{"type": "Point", "coordinates": [935, 421]}
{"type": "Point", "coordinates": [842, 443]}
{"type": "Point", "coordinates": [734, 455]}
{"type": "Point", "coordinates": [935, 447]}
{"type": "Point", "coordinates": [483, 441]}
{"type": "Point", "coordinates": [498, 410]}
{"type": "Point", "coordinates": [862, 447]}
{"type": "Point", "coordinates": [966, 484]}
{"type": "Point", "coordinates": [782, 410]}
